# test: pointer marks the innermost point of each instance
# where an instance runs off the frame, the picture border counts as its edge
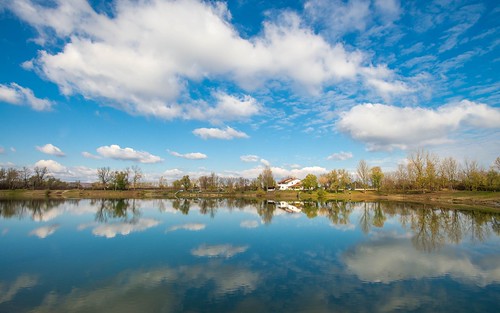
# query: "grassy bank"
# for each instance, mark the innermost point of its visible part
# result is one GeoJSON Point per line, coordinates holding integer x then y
{"type": "Point", "coordinates": [465, 199]}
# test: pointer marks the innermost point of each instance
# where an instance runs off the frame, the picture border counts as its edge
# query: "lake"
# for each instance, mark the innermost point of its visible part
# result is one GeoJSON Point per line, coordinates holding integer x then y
{"type": "Point", "coordinates": [246, 256]}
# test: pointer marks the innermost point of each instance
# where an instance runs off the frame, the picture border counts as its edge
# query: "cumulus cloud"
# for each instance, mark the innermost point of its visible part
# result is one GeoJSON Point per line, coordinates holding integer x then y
{"type": "Point", "coordinates": [51, 165]}
{"type": "Point", "coordinates": [189, 226]}
{"type": "Point", "coordinates": [173, 173]}
{"type": "Point", "coordinates": [226, 251]}
{"type": "Point", "coordinates": [216, 133]}
{"type": "Point", "coordinates": [249, 158]}
{"type": "Point", "coordinates": [15, 94]}
{"type": "Point", "coordinates": [50, 149]}
{"type": "Point", "coordinates": [124, 228]}
{"type": "Point", "coordinates": [74, 173]}
{"type": "Point", "coordinates": [44, 231]}
{"type": "Point", "coordinates": [340, 156]}
{"type": "Point", "coordinates": [140, 63]}
{"type": "Point", "coordinates": [118, 153]}
{"type": "Point", "coordinates": [189, 156]}
{"type": "Point", "coordinates": [385, 127]}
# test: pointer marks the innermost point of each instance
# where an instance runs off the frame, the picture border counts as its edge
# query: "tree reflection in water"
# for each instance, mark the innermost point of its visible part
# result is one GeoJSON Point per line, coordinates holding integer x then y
{"type": "Point", "coordinates": [431, 227]}
{"type": "Point", "coordinates": [122, 209]}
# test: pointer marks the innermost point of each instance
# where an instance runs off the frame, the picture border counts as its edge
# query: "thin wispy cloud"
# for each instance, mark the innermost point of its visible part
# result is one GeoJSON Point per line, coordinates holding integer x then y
{"type": "Point", "coordinates": [189, 156]}
{"type": "Point", "coordinates": [18, 95]}
{"type": "Point", "coordinates": [227, 133]}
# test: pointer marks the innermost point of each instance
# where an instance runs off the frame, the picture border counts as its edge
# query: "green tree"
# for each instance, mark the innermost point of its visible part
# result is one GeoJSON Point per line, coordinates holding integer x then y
{"type": "Point", "coordinates": [186, 182]}
{"type": "Point", "coordinates": [333, 180]}
{"type": "Point", "coordinates": [310, 182]}
{"type": "Point", "coordinates": [376, 176]}
{"type": "Point", "coordinates": [344, 179]}
{"type": "Point", "coordinates": [120, 180]}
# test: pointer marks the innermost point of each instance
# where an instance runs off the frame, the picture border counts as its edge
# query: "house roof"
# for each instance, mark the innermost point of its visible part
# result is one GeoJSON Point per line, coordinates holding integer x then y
{"type": "Point", "coordinates": [287, 180]}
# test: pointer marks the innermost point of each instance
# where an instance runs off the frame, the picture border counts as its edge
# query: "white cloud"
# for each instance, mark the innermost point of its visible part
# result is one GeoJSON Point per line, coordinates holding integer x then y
{"type": "Point", "coordinates": [50, 149]}
{"type": "Point", "coordinates": [341, 156]}
{"type": "Point", "coordinates": [144, 57]}
{"type": "Point", "coordinates": [173, 173]}
{"type": "Point", "coordinates": [2, 150]}
{"type": "Point", "coordinates": [217, 133]}
{"type": "Point", "coordinates": [124, 228]}
{"type": "Point", "coordinates": [226, 251]}
{"type": "Point", "coordinates": [15, 94]}
{"type": "Point", "coordinates": [190, 227]}
{"type": "Point", "coordinates": [89, 155]}
{"type": "Point", "coordinates": [387, 89]}
{"type": "Point", "coordinates": [265, 162]}
{"type": "Point", "coordinates": [340, 16]}
{"type": "Point", "coordinates": [387, 127]}
{"type": "Point", "coordinates": [189, 156]}
{"type": "Point", "coordinates": [249, 158]}
{"type": "Point", "coordinates": [118, 153]}
{"type": "Point", "coordinates": [52, 166]}
{"type": "Point", "coordinates": [227, 108]}
{"type": "Point", "coordinates": [44, 231]}
{"type": "Point", "coordinates": [390, 9]}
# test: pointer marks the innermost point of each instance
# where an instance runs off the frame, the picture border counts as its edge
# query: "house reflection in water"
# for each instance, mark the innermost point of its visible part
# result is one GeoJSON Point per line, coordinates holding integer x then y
{"type": "Point", "coordinates": [290, 207]}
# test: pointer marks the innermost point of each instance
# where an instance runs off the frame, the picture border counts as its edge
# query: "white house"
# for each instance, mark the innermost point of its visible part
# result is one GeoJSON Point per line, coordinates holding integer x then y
{"type": "Point", "coordinates": [290, 183]}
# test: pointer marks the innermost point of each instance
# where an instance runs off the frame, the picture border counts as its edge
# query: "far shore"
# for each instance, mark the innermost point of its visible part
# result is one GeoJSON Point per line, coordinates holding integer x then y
{"type": "Point", "coordinates": [452, 199]}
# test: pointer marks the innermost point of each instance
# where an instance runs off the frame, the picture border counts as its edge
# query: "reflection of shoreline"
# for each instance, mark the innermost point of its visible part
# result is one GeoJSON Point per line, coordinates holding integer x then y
{"type": "Point", "coordinates": [432, 227]}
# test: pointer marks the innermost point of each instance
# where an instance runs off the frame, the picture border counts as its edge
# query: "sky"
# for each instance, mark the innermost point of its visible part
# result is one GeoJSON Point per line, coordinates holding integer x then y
{"type": "Point", "coordinates": [192, 87]}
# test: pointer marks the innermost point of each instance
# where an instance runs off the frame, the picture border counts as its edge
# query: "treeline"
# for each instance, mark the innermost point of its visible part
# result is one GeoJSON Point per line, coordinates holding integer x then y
{"type": "Point", "coordinates": [427, 172]}
{"type": "Point", "coordinates": [36, 178]}
{"type": "Point", "coordinates": [423, 172]}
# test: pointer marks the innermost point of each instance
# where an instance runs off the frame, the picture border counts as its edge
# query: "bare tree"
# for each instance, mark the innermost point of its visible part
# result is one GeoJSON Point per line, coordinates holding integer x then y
{"type": "Point", "coordinates": [402, 177]}
{"type": "Point", "coordinates": [25, 174]}
{"type": "Point", "coordinates": [39, 176]}
{"type": "Point", "coordinates": [449, 171]}
{"type": "Point", "coordinates": [416, 168]}
{"type": "Point", "coordinates": [136, 175]}
{"type": "Point", "coordinates": [104, 175]}
{"type": "Point", "coordinates": [363, 172]}
{"type": "Point", "coordinates": [266, 178]}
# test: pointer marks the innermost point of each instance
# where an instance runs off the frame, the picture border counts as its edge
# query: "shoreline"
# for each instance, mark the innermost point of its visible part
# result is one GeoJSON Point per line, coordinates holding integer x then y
{"type": "Point", "coordinates": [453, 199]}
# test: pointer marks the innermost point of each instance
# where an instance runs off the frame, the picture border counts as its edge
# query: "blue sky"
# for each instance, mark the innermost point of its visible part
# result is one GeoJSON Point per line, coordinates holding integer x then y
{"type": "Point", "coordinates": [192, 87]}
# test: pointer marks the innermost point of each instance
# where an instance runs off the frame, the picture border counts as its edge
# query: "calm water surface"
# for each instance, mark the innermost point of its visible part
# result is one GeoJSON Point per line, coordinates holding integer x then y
{"type": "Point", "coordinates": [237, 256]}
